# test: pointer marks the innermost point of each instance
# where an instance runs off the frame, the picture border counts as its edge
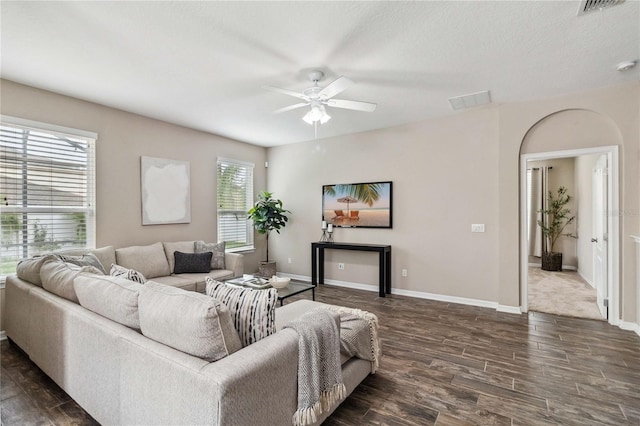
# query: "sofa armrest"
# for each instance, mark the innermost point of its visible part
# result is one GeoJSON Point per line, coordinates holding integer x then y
{"type": "Point", "coordinates": [260, 381]}
{"type": "Point", "coordinates": [160, 385]}
{"type": "Point", "coordinates": [234, 262]}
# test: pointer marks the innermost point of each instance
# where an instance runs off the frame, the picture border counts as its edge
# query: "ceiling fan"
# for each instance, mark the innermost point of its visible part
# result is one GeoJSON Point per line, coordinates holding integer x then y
{"type": "Point", "coordinates": [318, 97]}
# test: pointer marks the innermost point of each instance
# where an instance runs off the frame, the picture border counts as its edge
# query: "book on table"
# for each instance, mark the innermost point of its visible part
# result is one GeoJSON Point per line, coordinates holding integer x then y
{"type": "Point", "coordinates": [250, 281]}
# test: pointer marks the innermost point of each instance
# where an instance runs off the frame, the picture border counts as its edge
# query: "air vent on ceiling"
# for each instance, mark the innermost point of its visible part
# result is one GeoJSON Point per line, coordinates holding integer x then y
{"type": "Point", "coordinates": [587, 6]}
{"type": "Point", "coordinates": [471, 100]}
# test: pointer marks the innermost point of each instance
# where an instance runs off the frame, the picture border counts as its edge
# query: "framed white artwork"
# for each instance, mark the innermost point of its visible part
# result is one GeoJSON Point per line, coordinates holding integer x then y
{"type": "Point", "coordinates": [166, 189]}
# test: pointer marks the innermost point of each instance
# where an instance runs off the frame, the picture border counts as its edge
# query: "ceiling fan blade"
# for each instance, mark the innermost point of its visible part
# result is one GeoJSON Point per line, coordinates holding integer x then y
{"type": "Point", "coordinates": [337, 86]}
{"type": "Point", "coordinates": [287, 92]}
{"type": "Point", "coordinates": [357, 105]}
{"type": "Point", "coordinates": [289, 108]}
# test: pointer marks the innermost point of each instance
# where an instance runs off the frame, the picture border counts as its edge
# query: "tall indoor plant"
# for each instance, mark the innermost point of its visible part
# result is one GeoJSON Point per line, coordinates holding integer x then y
{"type": "Point", "coordinates": [268, 215]}
{"type": "Point", "coordinates": [558, 217]}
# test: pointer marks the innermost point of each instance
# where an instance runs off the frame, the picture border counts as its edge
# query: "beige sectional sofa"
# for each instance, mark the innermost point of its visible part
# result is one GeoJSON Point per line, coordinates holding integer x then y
{"type": "Point", "coordinates": [121, 377]}
{"type": "Point", "coordinates": [156, 262]}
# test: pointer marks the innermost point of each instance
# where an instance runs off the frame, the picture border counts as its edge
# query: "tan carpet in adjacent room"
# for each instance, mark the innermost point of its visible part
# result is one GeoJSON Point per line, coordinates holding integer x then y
{"type": "Point", "coordinates": [561, 293]}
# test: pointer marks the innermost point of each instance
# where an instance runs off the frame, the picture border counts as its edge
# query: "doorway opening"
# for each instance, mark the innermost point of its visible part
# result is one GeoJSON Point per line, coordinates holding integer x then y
{"type": "Point", "coordinates": [589, 280]}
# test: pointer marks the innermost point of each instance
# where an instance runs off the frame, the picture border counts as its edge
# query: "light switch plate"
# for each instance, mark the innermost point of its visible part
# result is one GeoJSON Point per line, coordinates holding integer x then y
{"type": "Point", "coordinates": [477, 227]}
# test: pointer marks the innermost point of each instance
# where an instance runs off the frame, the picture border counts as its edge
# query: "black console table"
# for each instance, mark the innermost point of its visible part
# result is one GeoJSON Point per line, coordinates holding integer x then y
{"type": "Point", "coordinates": [384, 252]}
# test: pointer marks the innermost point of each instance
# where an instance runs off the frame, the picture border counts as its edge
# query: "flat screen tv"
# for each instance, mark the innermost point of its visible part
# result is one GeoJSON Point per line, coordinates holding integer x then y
{"type": "Point", "coordinates": [358, 205]}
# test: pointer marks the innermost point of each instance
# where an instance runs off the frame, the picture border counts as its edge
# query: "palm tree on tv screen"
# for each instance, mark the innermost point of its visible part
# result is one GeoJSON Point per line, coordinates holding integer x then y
{"type": "Point", "coordinates": [367, 193]}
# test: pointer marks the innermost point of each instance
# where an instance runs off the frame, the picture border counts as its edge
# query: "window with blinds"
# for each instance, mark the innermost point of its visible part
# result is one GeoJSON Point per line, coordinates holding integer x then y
{"type": "Point", "coordinates": [46, 189]}
{"type": "Point", "coordinates": [235, 198]}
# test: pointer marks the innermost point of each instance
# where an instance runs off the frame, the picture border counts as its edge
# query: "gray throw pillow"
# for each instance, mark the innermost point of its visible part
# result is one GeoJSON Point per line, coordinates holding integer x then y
{"type": "Point", "coordinates": [192, 263]}
{"type": "Point", "coordinates": [128, 274]}
{"type": "Point", "coordinates": [218, 250]}
{"type": "Point", "coordinates": [253, 311]}
{"type": "Point", "coordinates": [88, 259]}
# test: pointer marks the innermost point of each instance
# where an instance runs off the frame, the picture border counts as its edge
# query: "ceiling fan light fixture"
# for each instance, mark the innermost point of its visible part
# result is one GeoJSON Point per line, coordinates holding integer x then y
{"type": "Point", "coordinates": [315, 114]}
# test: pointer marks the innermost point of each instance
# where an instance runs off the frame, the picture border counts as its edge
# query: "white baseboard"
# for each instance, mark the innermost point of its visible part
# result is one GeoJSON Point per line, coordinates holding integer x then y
{"type": "Point", "coordinates": [631, 326]}
{"type": "Point", "coordinates": [3, 335]}
{"type": "Point", "coordinates": [585, 279]}
{"type": "Point", "coordinates": [416, 294]}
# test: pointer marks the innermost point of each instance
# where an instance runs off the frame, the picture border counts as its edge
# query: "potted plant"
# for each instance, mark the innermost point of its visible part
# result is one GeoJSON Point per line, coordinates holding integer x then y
{"type": "Point", "coordinates": [268, 215]}
{"type": "Point", "coordinates": [558, 216]}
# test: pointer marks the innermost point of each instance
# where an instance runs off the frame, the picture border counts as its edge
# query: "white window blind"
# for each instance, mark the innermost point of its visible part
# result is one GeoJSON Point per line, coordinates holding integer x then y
{"type": "Point", "coordinates": [235, 198]}
{"type": "Point", "coordinates": [47, 190]}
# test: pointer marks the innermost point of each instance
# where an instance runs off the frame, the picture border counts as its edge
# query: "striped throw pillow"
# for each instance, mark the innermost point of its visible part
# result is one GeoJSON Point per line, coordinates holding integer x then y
{"type": "Point", "coordinates": [128, 274]}
{"type": "Point", "coordinates": [253, 311]}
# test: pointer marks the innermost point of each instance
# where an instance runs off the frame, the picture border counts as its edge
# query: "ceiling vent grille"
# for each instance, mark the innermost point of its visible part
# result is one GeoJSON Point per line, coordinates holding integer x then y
{"type": "Point", "coordinates": [470, 101]}
{"type": "Point", "coordinates": [587, 6]}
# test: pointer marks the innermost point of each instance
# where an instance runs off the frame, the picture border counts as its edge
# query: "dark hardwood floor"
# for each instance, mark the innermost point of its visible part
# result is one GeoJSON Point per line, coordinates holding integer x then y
{"type": "Point", "coordinates": [442, 364]}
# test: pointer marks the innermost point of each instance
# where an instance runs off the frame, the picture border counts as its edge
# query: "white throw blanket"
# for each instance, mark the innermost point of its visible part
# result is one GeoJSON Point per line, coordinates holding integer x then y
{"type": "Point", "coordinates": [352, 341]}
{"type": "Point", "coordinates": [320, 383]}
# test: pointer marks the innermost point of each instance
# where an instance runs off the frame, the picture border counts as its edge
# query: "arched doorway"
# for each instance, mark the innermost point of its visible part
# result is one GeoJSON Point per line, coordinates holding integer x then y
{"type": "Point", "coordinates": [571, 134]}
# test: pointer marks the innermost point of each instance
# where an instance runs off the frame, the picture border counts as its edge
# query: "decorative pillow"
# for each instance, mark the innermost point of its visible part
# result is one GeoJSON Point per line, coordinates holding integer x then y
{"type": "Point", "coordinates": [128, 274]}
{"type": "Point", "coordinates": [115, 298]}
{"type": "Point", "coordinates": [29, 269]}
{"type": "Point", "coordinates": [88, 259]}
{"type": "Point", "coordinates": [188, 321]}
{"type": "Point", "coordinates": [106, 255]}
{"type": "Point", "coordinates": [172, 247]}
{"type": "Point", "coordinates": [253, 311]}
{"type": "Point", "coordinates": [218, 250]}
{"type": "Point", "coordinates": [192, 263]}
{"type": "Point", "coordinates": [57, 277]}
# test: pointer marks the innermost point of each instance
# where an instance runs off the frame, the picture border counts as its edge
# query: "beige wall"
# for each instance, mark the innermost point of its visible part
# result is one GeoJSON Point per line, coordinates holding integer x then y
{"type": "Point", "coordinates": [444, 173]}
{"type": "Point", "coordinates": [122, 139]}
{"type": "Point", "coordinates": [449, 173]}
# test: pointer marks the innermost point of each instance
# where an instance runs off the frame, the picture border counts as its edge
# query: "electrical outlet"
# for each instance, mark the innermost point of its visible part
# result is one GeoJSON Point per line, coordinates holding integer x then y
{"type": "Point", "coordinates": [340, 265]}
{"type": "Point", "coordinates": [289, 260]}
{"type": "Point", "coordinates": [477, 227]}
{"type": "Point", "coordinates": [404, 272]}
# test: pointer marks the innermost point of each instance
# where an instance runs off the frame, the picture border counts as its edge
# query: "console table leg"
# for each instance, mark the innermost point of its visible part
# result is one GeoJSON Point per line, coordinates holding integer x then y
{"type": "Point", "coordinates": [382, 274]}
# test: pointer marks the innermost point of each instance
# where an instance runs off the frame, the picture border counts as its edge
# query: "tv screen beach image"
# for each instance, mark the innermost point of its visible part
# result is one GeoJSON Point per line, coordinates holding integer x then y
{"type": "Point", "coordinates": [367, 205]}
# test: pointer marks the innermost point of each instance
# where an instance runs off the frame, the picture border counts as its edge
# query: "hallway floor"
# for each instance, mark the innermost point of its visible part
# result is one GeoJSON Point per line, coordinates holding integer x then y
{"type": "Point", "coordinates": [561, 293]}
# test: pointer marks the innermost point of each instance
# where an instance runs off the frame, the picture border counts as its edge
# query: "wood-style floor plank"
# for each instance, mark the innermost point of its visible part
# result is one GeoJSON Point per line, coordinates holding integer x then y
{"type": "Point", "coordinates": [442, 364]}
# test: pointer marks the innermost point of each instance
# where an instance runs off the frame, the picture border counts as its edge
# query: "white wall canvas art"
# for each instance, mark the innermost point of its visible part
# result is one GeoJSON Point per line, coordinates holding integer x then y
{"type": "Point", "coordinates": [165, 191]}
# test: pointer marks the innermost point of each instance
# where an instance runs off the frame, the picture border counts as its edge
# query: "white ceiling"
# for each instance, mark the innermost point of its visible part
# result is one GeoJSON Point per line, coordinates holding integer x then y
{"type": "Point", "coordinates": [202, 64]}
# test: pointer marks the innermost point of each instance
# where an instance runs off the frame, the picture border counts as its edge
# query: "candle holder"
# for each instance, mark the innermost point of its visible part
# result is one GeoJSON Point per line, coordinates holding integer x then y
{"type": "Point", "coordinates": [324, 238]}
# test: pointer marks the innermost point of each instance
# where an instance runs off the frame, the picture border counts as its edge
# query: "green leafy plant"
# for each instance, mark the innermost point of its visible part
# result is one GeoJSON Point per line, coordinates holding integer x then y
{"type": "Point", "coordinates": [558, 217]}
{"type": "Point", "coordinates": [268, 215]}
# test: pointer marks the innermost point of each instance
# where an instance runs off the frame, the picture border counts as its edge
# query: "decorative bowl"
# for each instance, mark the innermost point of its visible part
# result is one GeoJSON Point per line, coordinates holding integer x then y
{"type": "Point", "coordinates": [279, 282]}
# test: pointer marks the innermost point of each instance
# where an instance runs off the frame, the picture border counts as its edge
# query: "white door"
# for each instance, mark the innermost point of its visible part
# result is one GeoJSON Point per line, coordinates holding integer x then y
{"type": "Point", "coordinates": [600, 233]}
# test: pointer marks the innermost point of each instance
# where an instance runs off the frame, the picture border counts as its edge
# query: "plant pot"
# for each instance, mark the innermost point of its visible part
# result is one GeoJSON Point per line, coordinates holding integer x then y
{"type": "Point", "coordinates": [267, 269]}
{"type": "Point", "coordinates": [551, 261]}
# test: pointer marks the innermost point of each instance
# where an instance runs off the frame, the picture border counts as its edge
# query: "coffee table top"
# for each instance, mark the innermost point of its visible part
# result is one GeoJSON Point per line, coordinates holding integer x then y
{"type": "Point", "coordinates": [294, 287]}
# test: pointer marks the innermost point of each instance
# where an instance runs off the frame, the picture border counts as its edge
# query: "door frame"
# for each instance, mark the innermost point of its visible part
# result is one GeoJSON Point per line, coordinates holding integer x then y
{"type": "Point", "coordinates": [613, 246]}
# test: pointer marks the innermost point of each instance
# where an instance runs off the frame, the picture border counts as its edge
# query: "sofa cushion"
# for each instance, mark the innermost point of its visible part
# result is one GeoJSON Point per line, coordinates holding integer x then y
{"type": "Point", "coordinates": [128, 274]}
{"type": "Point", "coordinates": [57, 277]}
{"type": "Point", "coordinates": [218, 250]}
{"type": "Point", "coordinates": [29, 269]}
{"type": "Point", "coordinates": [187, 321]}
{"type": "Point", "coordinates": [149, 260]}
{"type": "Point", "coordinates": [115, 298]}
{"type": "Point", "coordinates": [253, 311]}
{"type": "Point", "coordinates": [192, 263]}
{"type": "Point", "coordinates": [88, 259]}
{"type": "Point", "coordinates": [172, 247]}
{"type": "Point", "coordinates": [178, 281]}
{"type": "Point", "coordinates": [200, 279]}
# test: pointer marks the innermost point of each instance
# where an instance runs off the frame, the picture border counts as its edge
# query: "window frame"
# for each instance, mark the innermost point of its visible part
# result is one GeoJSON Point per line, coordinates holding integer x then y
{"type": "Point", "coordinates": [89, 207]}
